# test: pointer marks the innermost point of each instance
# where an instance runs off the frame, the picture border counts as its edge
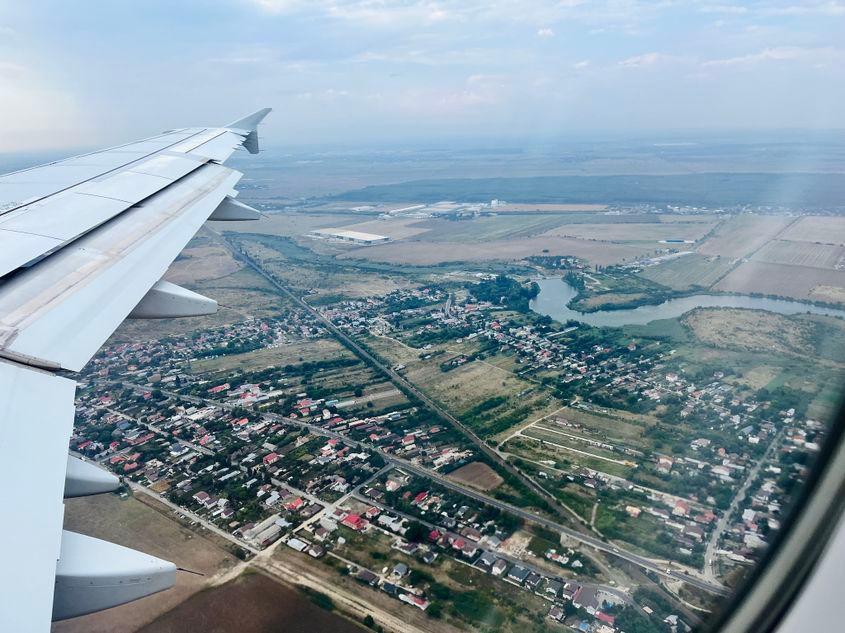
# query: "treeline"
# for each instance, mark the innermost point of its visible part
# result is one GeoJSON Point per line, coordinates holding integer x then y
{"type": "Point", "coordinates": [504, 290]}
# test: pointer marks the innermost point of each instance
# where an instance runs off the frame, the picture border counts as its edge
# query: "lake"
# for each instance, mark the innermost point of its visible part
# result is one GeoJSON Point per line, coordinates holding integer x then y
{"type": "Point", "coordinates": [555, 294]}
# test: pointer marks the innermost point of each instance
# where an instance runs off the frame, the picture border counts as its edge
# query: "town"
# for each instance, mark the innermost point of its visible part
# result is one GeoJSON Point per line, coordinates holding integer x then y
{"type": "Point", "coordinates": [323, 455]}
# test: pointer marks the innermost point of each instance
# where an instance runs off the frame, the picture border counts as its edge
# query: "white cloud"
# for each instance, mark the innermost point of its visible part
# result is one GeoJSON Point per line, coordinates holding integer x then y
{"type": "Point", "coordinates": [780, 54]}
{"type": "Point", "coordinates": [820, 8]}
{"type": "Point", "coordinates": [545, 32]}
{"type": "Point", "coordinates": [584, 63]}
{"type": "Point", "coordinates": [648, 59]}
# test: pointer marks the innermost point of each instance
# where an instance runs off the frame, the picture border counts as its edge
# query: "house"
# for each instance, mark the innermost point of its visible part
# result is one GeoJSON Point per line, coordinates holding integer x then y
{"type": "Point", "coordinates": [552, 588]}
{"type": "Point", "coordinates": [556, 613]}
{"type": "Point", "coordinates": [486, 560]}
{"type": "Point", "coordinates": [429, 557]}
{"type": "Point", "coordinates": [533, 581]}
{"type": "Point", "coordinates": [400, 570]}
{"type": "Point", "coordinates": [518, 574]}
{"type": "Point", "coordinates": [354, 522]}
{"type": "Point", "coordinates": [499, 567]}
{"type": "Point", "coordinates": [366, 576]}
{"type": "Point", "coordinates": [298, 544]}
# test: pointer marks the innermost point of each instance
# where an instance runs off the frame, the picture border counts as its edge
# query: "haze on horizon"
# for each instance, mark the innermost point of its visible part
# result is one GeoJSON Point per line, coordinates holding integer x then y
{"type": "Point", "coordinates": [371, 71]}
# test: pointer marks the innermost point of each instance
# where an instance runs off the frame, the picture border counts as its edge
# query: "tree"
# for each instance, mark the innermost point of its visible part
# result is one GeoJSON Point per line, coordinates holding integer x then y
{"type": "Point", "coordinates": [416, 532]}
{"type": "Point", "coordinates": [369, 621]}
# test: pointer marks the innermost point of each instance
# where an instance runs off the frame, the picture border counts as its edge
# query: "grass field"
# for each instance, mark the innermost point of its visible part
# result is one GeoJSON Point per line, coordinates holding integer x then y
{"type": "Point", "coordinates": [743, 234]}
{"type": "Point", "coordinates": [690, 271]}
{"type": "Point", "coordinates": [800, 254]}
{"type": "Point", "coordinates": [488, 228]}
{"type": "Point", "coordinates": [824, 230]}
{"type": "Point", "coordinates": [290, 354]}
{"type": "Point", "coordinates": [751, 330]}
{"type": "Point", "coordinates": [420, 253]}
{"type": "Point", "coordinates": [565, 460]}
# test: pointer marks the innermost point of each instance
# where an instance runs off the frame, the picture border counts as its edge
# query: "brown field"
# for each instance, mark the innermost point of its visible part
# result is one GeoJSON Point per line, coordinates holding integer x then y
{"type": "Point", "coordinates": [741, 235]}
{"type": "Point", "coordinates": [634, 232]}
{"type": "Point", "coordinates": [429, 253]}
{"type": "Point", "coordinates": [478, 475]}
{"type": "Point", "coordinates": [133, 524]}
{"type": "Point", "coordinates": [824, 230]}
{"type": "Point", "coordinates": [800, 254]}
{"type": "Point", "coordinates": [252, 603]}
{"type": "Point", "coordinates": [796, 282]}
{"type": "Point", "coordinates": [690, 270]}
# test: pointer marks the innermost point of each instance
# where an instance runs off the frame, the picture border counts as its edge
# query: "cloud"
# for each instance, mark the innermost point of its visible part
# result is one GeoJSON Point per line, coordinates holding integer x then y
{"type": "Point", "coordinates": [780, 54]}
{"type": "Point", "coordinates": [809, 9]}
{"type": "Point", "coordinates": [545, 32]}
{"type": "Point", "coordinates": [729, 9]}
{"type": "Point", "coordinates": [648, 59]}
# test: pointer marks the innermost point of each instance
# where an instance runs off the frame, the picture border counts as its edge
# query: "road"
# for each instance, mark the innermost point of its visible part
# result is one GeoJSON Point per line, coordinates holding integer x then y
{"type": "Point", "coordinates": [739, 497]}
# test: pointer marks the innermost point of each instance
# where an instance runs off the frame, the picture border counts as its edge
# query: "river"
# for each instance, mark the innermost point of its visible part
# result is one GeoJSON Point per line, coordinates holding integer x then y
{"type": "Point", "coordinates": [555, 294]}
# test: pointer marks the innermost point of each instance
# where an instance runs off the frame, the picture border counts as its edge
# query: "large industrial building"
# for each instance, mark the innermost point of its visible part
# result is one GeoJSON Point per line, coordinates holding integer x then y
{"type": "Point", "coordinates": [356, 237]}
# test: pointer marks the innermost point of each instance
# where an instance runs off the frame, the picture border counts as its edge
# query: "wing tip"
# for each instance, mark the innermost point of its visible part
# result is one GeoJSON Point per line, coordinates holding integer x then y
{"type": "Point", "coordinates": [251, 121]}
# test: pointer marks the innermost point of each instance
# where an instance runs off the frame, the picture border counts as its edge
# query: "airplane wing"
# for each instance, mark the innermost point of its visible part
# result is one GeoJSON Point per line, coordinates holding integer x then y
{"type": "Point", "coordinates": [84, 243]}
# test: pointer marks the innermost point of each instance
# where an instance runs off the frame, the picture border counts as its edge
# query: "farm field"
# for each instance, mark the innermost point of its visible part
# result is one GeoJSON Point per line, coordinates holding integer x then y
{"type": "Point", "coordinates": [821, 229]}
{"type": "Point", "coordinates": [801, 254]}
{"type": "Point", "coordinates": [741, 235]}
{"type": "Point", "coordinates": [134, 524]}
{"type": "Point", "coordinates": [795, 282]}
{"type": "Point", "coordinates": [690, 271]}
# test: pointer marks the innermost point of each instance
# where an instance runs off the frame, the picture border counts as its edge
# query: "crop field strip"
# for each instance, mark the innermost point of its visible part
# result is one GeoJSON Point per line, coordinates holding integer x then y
{"type": "Point", "coordinates": [801, 254]}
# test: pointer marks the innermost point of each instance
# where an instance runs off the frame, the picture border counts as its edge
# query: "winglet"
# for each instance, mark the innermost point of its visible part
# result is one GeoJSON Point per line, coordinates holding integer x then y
{"type": "Point", "coordinates": [250, 122]}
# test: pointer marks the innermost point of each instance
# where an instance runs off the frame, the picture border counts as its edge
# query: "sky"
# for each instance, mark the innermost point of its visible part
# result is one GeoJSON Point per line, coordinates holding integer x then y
{"type": "Point", "coordinates": [358, 72]}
